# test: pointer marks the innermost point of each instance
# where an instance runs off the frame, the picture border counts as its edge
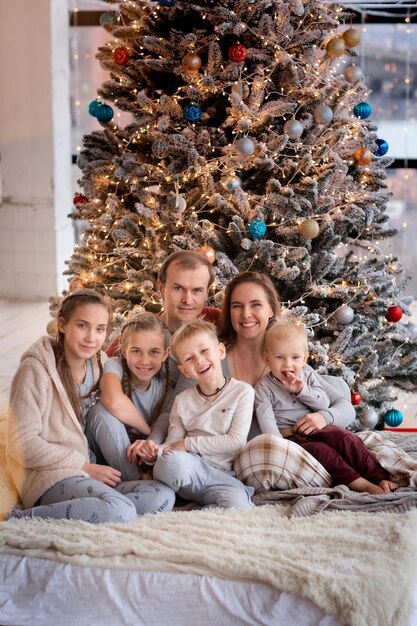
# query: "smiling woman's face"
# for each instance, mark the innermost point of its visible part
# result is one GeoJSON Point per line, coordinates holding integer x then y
{"type": "Point", "coordinates": [250, 310]}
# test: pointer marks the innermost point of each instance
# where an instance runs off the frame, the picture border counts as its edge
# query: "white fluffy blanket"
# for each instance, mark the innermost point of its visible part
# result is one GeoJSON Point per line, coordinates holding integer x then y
{"type": "Point", "coordinates": [357, 566]}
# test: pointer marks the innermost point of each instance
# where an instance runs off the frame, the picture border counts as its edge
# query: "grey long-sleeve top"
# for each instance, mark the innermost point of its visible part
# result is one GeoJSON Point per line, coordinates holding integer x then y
{"type": "Point", "coordinates": [277, 408]}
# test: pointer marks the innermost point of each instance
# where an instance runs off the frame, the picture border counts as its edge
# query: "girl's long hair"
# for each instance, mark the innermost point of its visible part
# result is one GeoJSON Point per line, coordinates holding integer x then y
{"type": "Point", "coordinates": [227, 333]}
{"type": "Point", "coordinates": [146, 322]}
{"type": "Point", "coordinates": [66, 311]}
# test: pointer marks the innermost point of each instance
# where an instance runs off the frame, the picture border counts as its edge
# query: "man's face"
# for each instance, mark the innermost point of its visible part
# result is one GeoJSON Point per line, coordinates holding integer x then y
{"type": "Point", "coordinates": [184, 292]}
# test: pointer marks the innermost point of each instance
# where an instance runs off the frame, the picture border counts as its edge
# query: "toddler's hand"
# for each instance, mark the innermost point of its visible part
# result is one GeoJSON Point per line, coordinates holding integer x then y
{"type": "Point", "coordinates": [310, 423]}
{"type": "Point", "coordinates": [291, 382]}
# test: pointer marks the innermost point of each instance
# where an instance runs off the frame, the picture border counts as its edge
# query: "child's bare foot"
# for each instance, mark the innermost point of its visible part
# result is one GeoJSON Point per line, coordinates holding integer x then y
{"type": "Point", "coordinates": [361, 484]}
{"type": "Point", "coordinates": [388, 485]}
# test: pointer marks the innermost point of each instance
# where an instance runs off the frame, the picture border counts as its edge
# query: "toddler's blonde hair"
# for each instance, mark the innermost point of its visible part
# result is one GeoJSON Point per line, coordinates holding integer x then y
{"type": "Point", "coordinates": [286, 329]}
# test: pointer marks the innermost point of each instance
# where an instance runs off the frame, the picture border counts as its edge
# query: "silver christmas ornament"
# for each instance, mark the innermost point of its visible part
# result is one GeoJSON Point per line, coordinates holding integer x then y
{"type": "Point", "coordinates": [245, 146]}
{"type": "Point", "coordinates": [353, 74]}
{"type": "Point", "coordinates": [231, 182]}
{"type": "Point", "coordinates": [160, 148]}
{"type": "Point", "coordinates": [177, 204]}
{"type": "Point", "coordinates": [294, 129]}
{"type": "Point", "coordinates": [369, 417]}
{"type": "Point", "coordinates": [323, 114]}
{"type": "Point", "coordinates": [344, 314]}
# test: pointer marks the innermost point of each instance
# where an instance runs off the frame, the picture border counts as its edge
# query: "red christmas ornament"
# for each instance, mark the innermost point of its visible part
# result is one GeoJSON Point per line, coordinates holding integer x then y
{"type": "Point", "coordinates": [394, 313]}
{"type": "Point", "coordinates": [355, 398]}
{"type": "Point", "coordinates": [237, 53]}
{"type": "Point", "coordinates": [79, 199]}
{"type": "Point", "coordinates": [121, 55]}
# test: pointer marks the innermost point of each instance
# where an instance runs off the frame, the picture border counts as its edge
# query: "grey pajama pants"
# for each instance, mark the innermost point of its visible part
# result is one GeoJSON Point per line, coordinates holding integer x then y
{"type": "Point", "coordinates": [82, 498]}
{"type": "Point", "coordinates": [194, 479]}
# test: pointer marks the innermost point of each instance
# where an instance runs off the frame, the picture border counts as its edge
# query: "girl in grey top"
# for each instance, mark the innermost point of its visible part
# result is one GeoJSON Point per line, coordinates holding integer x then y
{"type": "Point", "coordinates": [136, 395]}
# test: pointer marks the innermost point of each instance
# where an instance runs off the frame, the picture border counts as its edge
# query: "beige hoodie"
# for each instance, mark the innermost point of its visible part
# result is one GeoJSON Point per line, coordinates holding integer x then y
{"type": "Point", "coordinates": [44, 440]}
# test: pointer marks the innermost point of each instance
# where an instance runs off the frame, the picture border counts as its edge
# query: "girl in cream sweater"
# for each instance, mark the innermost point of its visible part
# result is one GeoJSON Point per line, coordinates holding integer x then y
{"type": "Point", "coordinates": [47, 451]}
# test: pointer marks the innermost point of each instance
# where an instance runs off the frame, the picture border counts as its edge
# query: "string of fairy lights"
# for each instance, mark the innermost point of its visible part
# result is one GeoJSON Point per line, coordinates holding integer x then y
{"type": "Point", "coordinates": [235, 159]}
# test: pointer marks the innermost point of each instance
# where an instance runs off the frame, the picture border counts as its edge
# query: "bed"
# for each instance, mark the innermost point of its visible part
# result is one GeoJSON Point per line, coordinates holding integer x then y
{"type": "Point", "coordinates": [277, 564]}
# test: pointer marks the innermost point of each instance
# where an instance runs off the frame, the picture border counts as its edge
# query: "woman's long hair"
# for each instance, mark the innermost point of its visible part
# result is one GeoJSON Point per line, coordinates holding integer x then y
{"type": "Point", "coordinates": [66, 311]}
{"type": "Point", "coordinates": [146, 322]}
{"type": "Point", "coordinates": [227, 333]}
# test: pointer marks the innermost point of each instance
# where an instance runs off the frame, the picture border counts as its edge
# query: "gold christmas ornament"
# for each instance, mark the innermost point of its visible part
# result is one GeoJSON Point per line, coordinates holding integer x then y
{"type": "Point", "coordinates": [75, 283]}
{"type": "Point", "coordinates": [362, 156]}
{"type": "Point", "coordinates": [191, 62]}
{"type": "Point", "coordinates": [309, 229]}
{"type": "Point", "coordinates": [52, 328]}
{"type": "Point", "coordinates": [208, 252]}
{"type": "Point", "coordinates": [351, 37]}
{"type": "Point", "coordinates": [335, 47]}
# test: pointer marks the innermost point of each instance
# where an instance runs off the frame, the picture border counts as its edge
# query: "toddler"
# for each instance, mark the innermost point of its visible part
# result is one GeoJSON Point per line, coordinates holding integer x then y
{"type": "Point", "coordinates": [291, 390]}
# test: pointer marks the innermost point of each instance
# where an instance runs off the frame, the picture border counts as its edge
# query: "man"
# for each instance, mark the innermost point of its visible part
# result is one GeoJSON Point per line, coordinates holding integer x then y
{"type": "Point", "coordinates": [184, 280]}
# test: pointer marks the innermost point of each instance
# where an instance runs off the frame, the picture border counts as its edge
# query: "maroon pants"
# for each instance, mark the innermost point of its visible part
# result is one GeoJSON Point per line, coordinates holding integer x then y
{"type": "Point", "coordinates": [344, 455]}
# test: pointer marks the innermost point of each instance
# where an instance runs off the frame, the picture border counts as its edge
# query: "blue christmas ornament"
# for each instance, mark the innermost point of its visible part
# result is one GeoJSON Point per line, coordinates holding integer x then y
{"type": "Point", "coordinates": [167, 3]}
{"type": "Point", "coordinates": [382, 147]}
{"type": "Point", "coordinates": [93, 106]}
{"type": "Point", "coordinates": [393, 418]}
{"type": "Point", "coordinates": [257, 229]}
{"type": "Point", "coordinates": [362, 110]}
{"type": "Point", "coordinates": [103, 113]}
{"type": "Point", "coordinates": [108, 18]}
{"type": "Point", "coordinates": [192, 113]}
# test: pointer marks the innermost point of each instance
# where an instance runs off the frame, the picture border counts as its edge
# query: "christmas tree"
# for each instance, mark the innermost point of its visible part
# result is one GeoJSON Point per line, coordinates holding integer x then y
{"type": "Point", "coordinates": [251, 142]}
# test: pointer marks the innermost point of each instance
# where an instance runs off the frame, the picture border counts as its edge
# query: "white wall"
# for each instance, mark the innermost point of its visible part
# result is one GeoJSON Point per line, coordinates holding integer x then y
{"type": "Point", "coordinates": [35, 234]}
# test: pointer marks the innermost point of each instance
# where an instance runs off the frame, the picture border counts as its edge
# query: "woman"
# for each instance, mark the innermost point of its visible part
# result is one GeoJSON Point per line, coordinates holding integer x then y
{"type": "Point", "coordinates": [250, 304]}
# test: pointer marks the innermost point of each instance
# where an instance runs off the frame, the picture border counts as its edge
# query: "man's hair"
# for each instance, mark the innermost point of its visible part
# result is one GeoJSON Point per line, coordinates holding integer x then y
{"type": "Point", "coordinates": [189, 330]}
{"type": "Point", "coordinates": [188, 260]}
{"type": "Point", "coordinates": [286, 329]}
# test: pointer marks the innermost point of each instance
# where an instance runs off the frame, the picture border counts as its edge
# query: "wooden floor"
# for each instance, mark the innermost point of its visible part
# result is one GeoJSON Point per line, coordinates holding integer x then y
{"type": "Point", "coordinates": [21, 323]}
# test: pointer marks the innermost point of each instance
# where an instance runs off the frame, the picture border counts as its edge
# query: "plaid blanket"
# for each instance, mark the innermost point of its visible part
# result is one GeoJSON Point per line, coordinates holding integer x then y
{"type": "Point", "coordinates": [281, 474]}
